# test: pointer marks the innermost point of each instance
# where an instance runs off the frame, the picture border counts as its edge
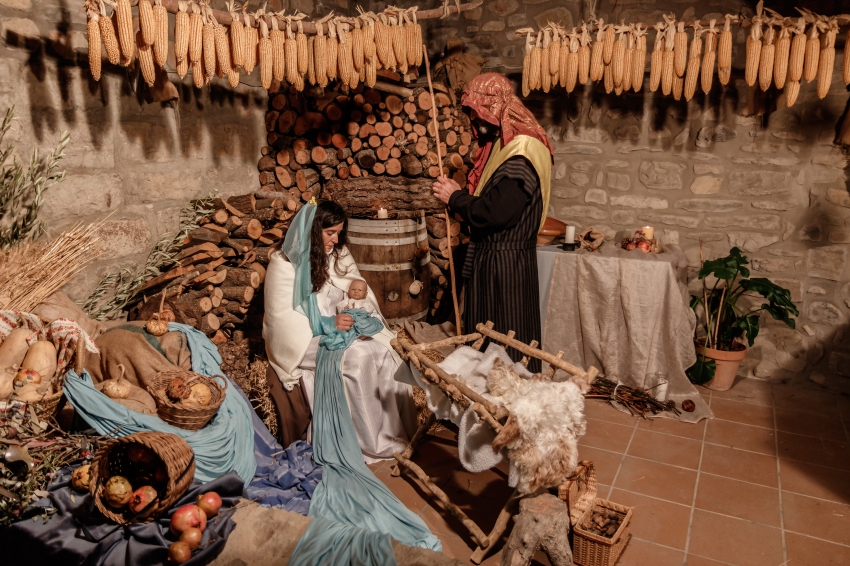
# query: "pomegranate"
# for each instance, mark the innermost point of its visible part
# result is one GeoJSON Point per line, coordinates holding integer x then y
{"type": "Point", "coordinates": [644, 246]}
{"type": "Point", "coordinates": [118, 492]}
{"type": "Point", "coordinates": [141, 498]}
{"type": "Point", "coordinates": [179, 552]}
{"type": "Point", "coordinates": [81, 478]}
{"type": "Point", "coordinates": [630, 246]}
{"type": "Point", "coordinates": [139, 454]}
{"type": "Point", "coordinates": [193, 537]}
{"type": "Point", "coordinates": [188, 517]}
{"type": "Point", "coordinates": [161, 474]}
{"type": "Point", "coordinates": [209, 503]}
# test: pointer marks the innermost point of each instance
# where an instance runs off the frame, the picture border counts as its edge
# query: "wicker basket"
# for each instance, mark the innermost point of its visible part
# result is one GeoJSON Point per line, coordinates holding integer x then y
{"type": "Point", "coordinates": [594, 550]}
{"type": "Point", "coordinates": [187, 418]}
{"type": "Point", "coordinates": [173, 452]}
{"type": "Point", "coordinates": [49, 404]}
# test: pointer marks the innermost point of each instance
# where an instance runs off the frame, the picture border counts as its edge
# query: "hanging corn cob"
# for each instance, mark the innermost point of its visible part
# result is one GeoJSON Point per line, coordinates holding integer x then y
{"type": "Point", "coordinates": [311, 61]}
{"type": "Point", "coordinates": [357, 56]}
{"type": "Point", "coordinates": [608, 78]}
{"type": "Point", "coordinates": [418, 30]}
{"type": "Point", "coordinates": [369, 49]}
{"type": "Point", "coordinates": [332, 55]}
{"type": "Point", "coordinates": [709, 57]}
{"type": "Point", "coordinates": [93, 37]}
{"type": "Point", "coordinates": [569, 72]}
{"type": "Point", "coordinates": [751, 70]}
{"type": "Point", "coordinates": [160, 43]}
{"type": "Point", "coordinates": [668, 62]}
{"type": "Point", "coordinates": [584, 56]}
{"type": "Point", "coordinates": [196, 42]}
{"type": "Point", "coordinates": [301, 47]}
{"type": "Point", "coordinates": [290, 51]}
{"type": "Point", "coordinates": [792, 89]}
{"type": "Point", "coordinates": [555, 56]}
{"type": "Point", "coordinates": [413, 43]}
{"type": "Point", "coordinates": [694, 60]}
{"type": "Point", "coordinates": [545, 77]}
{"type": "Point", "coordinates": [724, 52]}
{"type": "Point", "coordinates": [251, 36]}
{"type": "Point", "coordinates": [618, 55]}
{"type": "Point", "coordinates": [639, 58]}
{"type": "Point", "coordinates": [810, 65]}
{"type": "Point", "coordinates": [798, 51]}
{"type": "Point", "coordinates": [656, 60]}
{"type": "Point", "coordinates": [126, 36]}
{"type": "Point", "coordinates": [526, 66]}
{"type": "Point", "coordinates": [320, 54]}
{"type": "Point", "coordinates": [768, 53]}
{"type": "Point", "coordinates": [399, 38]}
{"type": "Point", "coordinates": [680, 51]}
{"type": "Point", "coordinates": [147, 22]}
{"type": "Point", "coordinates": [278, 42]}
{"type": "Point", "coordinates": [233, 77]}
{"type": "Point", "coordinates": [563, 57]}
{"type": "Point", "coordinates": [627, 59]}
{"type": "Point", "coordinates": [237, 36]}
{"type": "Point", "coordinates": [198, 76]}
{"type": "Point", "coordinates": [780, 57]}
{"type": "Point", "coordinates": [222, 48]}
{"type": "Point", "coordinates": [346, 65]}
{"type": "Point", "coordinates": [534, 64]}
{"type": "Point", "coordinates": [266, 53]}
{"type": "Point", "coordinates": [371, 72]}
{"type": "Point", "coordinates": [607, 43]}
{"type": "Point", "coordinates": [208, 37]}
{"type": "Point", "coordinates": [845, 71]}
{"type": "Point", "coordinates": [596, 58]}
{"type": "Point", "coordinates": [384, 42]}
{"type": "Point", "coordinates": [107, 34]}
{"type": "Point", "coordinates": [826, 59]}
{"type": "Point", "coordinates": [145, 59]}
{"type": "Point", "coordinates": [181, 37]}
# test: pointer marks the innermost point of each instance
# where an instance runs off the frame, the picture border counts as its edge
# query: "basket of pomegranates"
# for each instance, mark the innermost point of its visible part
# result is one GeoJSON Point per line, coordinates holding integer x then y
{"type": "Point", "coordinates": [186, 399]}
{"type": "Point", "coordinates": [135, 478]}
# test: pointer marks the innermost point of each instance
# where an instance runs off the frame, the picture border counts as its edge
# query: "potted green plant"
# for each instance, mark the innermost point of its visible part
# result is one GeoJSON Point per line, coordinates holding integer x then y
{"type": "Point", "coordinates": [726, 324]}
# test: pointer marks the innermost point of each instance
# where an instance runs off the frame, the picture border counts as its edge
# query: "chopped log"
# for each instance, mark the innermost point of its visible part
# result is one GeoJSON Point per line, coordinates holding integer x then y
{"type": "Point", "coordinates": [243, 203]}
{"type": "Point", "coordinates": [409, 108]}
{"type": "Point", "coordinates": [433, 171]}
{"type": "Point", "coordinates": [323, 138]}
{"type": "Point", "coordinates": [420, 129]}
{"type": "Point", "coordinates": [240, 277]}
{"type": "Point", "coordinates": [424, 101]}
{"type": "Point", "coordinates": [436, 226]}
{"type": "Point", "coordinates": [305, 178]}
{"type": "Point", "coordinates": [441, 244]}
{"type": "Point", "coordinates": [211, 265]}
{"type": "Point", "coordinates": [353, 128]}
{"type": "Point", "coordinates": [401, 91]}
{"type": "Point", "coordinates": [220, 216]}
{"type": "Point", "coordinates": [168, 276]}
{"type": "Point", "coordinates": [366, 130]}
{"type": "Point", "coordinates": [239, 294]}
{"type": "Point", "coordinates": [449, 136]}
{"type": "Point", "coordinates": [190, 251]}
{"type": "Point", "coordinates": [318, 154]}
{"type": "Point", "coordinates": [302, 157]}
{"type": "Point", "coordinates": [301, 144]}
{"type": "Point", "coordinates": [264, 254]}
{"type": "Point", "coordinates": [266, 163]}
{"type": "Point", "coordinates": [202, 257]}
{"type": "Point", "coordinates": [463, 150]}
{"type": "Point", "coordinates": [365, 159]}
{"type": "Point", "coordinates": [339, 141]}
{"type": "Point", "coordinates": [398, 122]}
{"type": "Point", "coordinates": [372, 96]}
{"type": "Point", "coordinates": [209, 323]}
{"type": "Point", "coordinates": [216, 296]}
{"type": "Point", "coordinates": [440, 262]}
{"type": "Point", "coordinates": [196, 300]}
{"type": "Point", "coordinates": [411, 166]}
{"type": "Point", "coordinates": [260, 270]}
{"type": "Point", "coordinates": [394, 104]}
{"type": "Point", "coordinates": [356, 145]}
{"type": "Point", "coordinates": [393, 167]}
{"type": "Point", "coordinates": [240, 246]}
{"type": "Point", "coordinates": [454, 161]}
{"type": "Point", "coordinates": [354, 170]}
{"type": "Point", "coordinates": [286, 121]}
{"type": "Point", "coordinates": [395, 152]}
{"type": "Point", "coordinates": [274, 234]}
{"type": "Point", "coordinates": [383, 128]}
{"type": "Point", "coordinates": [422, 146]}
{"type": "Point", "coordinates": [201, 235]}
{"type": "Point", "coordinates": [437, 275]}
{"type": "Point", "coordinates": [343, 153]}
{"type": "Point", "coordinates": [271, 118]}
{"type": "Point", "coordinates": [378, 168]}
{"type": "Point", "coordinates": [252, 229]}
{"type": "Point", "coordinates": [278, 102]}
{"type": "Point", "coordinates": [362, 195]}
{"type": "Point", "coordinates": [211, 277]}
{"type": "Point", "coordinates": [374, 141]}
{"type": "Point", "coordinates": [343, 172]}
{"type": "Point", "coordinates": [234, 307]}
{"type": "Point", "coordinates": [269, 214]}
{"type": "Point", "coordinates": [333, 112]}
{"type": "Point", "coordinates": [283, 157]}
{"type": "Point", "coordinates": [389, 141]}
{"type": "Point", "coordinates": [219, 338]}
{"type": "Point", "coordinates": [383, 153]}
{"type": "Point", "coordinates": [466, 138]}
{"type": "Point", "coordinates": [442, 99]}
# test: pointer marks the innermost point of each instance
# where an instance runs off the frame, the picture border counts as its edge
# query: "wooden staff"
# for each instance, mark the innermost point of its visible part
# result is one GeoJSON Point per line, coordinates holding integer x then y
{"type": "Point", "coordinates": [446, 211]}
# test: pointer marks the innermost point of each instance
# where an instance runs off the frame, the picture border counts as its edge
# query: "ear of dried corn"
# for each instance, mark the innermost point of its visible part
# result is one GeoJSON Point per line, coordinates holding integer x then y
{"type": "Point", "coordinates": [222, 49]}
{"type": "Point", "coordinates": [371, 71]}
{"type": "Point", "coordinates": [596, 54]}
{"type": "Point", "coordinates": [792, 89]}
{"type": "Point", "coordinates": [617, 59]}
{"type": "Point", "coordinates": [680, 51]}
{"type": "Point", "coordinates": [332, 55]}
{"type": "Point", "coordinates": [555, 54]}
{"type": "Point", "coordinates": [724, 52]}
{"type": "Point", "coordinates": [290, 51]}
{"type": "Point", "coordinates": [301, 49]}
{"type": "Point", "coordinates": [607, 43]}
{"type": "Point", "coordinates": [195, 40]}
{"type": "Point", "coordinates": [563, 57]}
{"type": "Point", "coordinates": [781, 53]}
{"type": "Point", "coordinates": [369, 49]}
{"type": "Point", "coordinates": [181, 33]}
{"type": "Point", "coordinates": [208, 36]}
{"type": "Point", "coordinates": [766, 61]}
{"type": "Point", "coordinates": [147, 22]}
{"type": "Point", "coordinates": [709, 58]}
{"type": "Point", "coordinates": [183, 67]}
{"type": "Point", "coordinates": [237, 37]}
{"type": "Point", "coordinates": [608, 78]}
{"type": "Point", "coordinates": [145, 59]}
{"type": "Point", "coordinates": [810, 65]}
{"type": "Point", "coordinates": [545, 76]}
{"type": "Point", "coordinates": [265, 54]}
{"type": "Point", "coordinates": [754, 46]}
{"type": "Point", "coordinates": [667, 62]}
{"type": "Point", "coordinates": [110, 40]}
{"type": "Point", "coordinates": [845, 71]}
{"type": "Point", "coordinates": [399, 38]}
{"type": "Point", "coordinates": [639, 59]}
{"type": "Point", "coordinates": [311, 60]}
{"type": "Point", "coordinates": [826, 59]}
{"type": "Point", "coordinates": [383, 42]}
{"type": "Point", "coordinates": [251, 36]}
{"type": "Point", "coordinates": [584, 56]}
{"type": "Point", "coordinates": [160, 44]}
{"type": "Point", "coordinates": [694, 60]}
{"type": "Point", "coordinates": [418, 30]}
{"type": "Point", "coordinates": [320, 56]}
{"type": "Point", "coordinates": [569, 70]}
{"type": "Point", "coordinates": [798, 52]}
{"type": "Point", "coordinates": [526, 66]}
{"type": "Point", "coordinates": [278, 42]}
{"type": "Point", "coordinates": [656, 60]}
{"type": "Point", "coordinates": [412, 46]}
{"type": "Point", "coordinates": [93, 37]}
{"type": "Point", "coordinates": [357, 53]}
{"type": "Point", "coordinates": [126, 36]}
{"type": "Point", "coordinates": [534, 65]}
{"type": "Point", "coordinates": [233, 77]}
{"type": "Point", "coordinates": [678, 86]}
{"type": "Point", "coordinates": [344, 58]}
{"type": "Point", "coordinates": [198, 75]}
{"type": "Point", "coordinates": [627, 61]}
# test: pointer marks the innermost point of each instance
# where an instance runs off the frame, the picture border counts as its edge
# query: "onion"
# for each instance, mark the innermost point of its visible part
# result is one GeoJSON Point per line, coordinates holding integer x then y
{"type": "Point", "coordinates": [209, 503]}
{"type": "Point", "coordinates": [188, 517]}
{"type": "Point", "coordinates": [141, 498]}
{"type": "Point", "coordinates": [179, 552]}
{"type": "Point", "coordinates": [81, 478]}
{"type": "Point", "coordinates": [118, 492]}
{"type": "Point", "coordinates": [118, 388]}
{"type": "Point", "coordinates": [193, 537]}
{"type": "Point", "coordinates": [200, 394]}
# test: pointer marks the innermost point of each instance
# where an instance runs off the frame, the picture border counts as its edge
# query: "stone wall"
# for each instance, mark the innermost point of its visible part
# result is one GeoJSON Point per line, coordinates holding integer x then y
{"type": "Point", "coordinates": [773, 185]}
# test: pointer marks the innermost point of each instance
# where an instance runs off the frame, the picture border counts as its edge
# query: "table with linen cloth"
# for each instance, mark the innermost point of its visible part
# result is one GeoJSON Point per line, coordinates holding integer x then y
{"type": "Point", "coordinates": [624, 312]}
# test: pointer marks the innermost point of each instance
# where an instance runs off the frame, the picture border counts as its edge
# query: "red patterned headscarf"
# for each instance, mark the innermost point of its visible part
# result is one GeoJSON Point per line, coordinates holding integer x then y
{"type": "Point", "coordinates": [492, 97]}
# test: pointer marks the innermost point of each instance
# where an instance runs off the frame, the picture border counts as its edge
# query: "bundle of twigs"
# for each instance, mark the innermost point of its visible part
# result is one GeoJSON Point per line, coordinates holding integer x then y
{"type": "Point", "coordinates": [637, 401]}
{"type": "Point", "coordinates": [49, 448]}
{"type": "Point", "coordinates": [31, 272]}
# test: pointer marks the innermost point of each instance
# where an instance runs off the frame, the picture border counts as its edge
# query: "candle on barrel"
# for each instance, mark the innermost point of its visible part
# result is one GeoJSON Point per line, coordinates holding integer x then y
{"type": "Point", "coordinates": [648, 232]}
{"type": "Point", "coordinates": [570, 236]}
{"type": "Point", "coordinates": [382, 213]}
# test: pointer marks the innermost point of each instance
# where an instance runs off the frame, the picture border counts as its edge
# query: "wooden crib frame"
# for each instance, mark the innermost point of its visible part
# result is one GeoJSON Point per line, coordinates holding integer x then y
{"type": "Point", "coordinates": [492, 414]}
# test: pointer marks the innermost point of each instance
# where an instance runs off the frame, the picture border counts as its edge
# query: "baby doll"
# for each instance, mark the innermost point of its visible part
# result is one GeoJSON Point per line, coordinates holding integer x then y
{"type": "Point", "coordinates": [357, 299]}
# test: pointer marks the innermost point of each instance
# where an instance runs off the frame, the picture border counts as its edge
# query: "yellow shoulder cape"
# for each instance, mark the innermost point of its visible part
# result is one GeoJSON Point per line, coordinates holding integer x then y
{"type": "Point", "coordinates": [530, 148]}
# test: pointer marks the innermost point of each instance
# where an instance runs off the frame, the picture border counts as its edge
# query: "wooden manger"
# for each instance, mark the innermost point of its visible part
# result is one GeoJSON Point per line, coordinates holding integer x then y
{"type": "Point", "coordinates": [495, 416]}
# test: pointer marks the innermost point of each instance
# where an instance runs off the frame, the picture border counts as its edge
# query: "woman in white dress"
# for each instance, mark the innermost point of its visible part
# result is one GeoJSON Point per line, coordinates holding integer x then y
{"type": "Point", "coordinates": [382, 409]}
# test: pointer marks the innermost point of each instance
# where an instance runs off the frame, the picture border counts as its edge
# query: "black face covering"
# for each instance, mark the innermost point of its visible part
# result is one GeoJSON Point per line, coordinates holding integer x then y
{"type": "Point", "coordinates": [484, 129]}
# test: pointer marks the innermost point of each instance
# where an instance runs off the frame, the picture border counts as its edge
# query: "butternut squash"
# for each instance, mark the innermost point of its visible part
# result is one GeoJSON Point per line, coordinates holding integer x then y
{"type": "Point", "coordinates": [41, 357]}
{"type": "Point", "coordinates": [12, 354]}
{"type": "Point", "coordinates": [32, 392]}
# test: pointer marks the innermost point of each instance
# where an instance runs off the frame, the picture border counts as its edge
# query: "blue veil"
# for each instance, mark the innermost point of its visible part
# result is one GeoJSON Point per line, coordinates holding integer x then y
{"type": "Point", "coordinates": [354, 515]}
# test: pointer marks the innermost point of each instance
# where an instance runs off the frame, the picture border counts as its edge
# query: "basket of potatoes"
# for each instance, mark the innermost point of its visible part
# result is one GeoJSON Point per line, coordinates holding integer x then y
{"type": "Point", "coordinates": [186, 399]}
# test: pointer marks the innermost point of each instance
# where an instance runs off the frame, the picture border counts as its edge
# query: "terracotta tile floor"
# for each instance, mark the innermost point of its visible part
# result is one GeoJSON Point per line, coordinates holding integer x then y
{"type": "Point", "coordinates": [765, 483]}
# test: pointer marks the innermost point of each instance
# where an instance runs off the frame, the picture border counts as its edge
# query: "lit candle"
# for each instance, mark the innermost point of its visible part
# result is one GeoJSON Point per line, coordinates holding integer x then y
{"type": "Point", "coordinates": [382, 212]}
{"type": "Point", "coordinates": [648, 232]}
{"type": "Point", "coordinates": [570, 236]}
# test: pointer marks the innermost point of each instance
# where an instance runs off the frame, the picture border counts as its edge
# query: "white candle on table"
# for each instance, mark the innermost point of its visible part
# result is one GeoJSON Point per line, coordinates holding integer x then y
{"type": "Point", "coordinates": [648, 232]}
{"type": "Point", "coordinates": [382, 212]}
{"type": "Point", "coordinates": [570, 236]}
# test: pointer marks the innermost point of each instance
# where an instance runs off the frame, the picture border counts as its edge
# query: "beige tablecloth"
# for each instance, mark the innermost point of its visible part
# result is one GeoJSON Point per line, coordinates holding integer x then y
{"type": "Point", "coordinates": [625, 313]}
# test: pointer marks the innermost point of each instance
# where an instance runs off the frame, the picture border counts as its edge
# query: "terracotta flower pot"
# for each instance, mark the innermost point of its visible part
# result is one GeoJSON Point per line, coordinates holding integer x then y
{"type": "Point", "coordinates": [727, 364]}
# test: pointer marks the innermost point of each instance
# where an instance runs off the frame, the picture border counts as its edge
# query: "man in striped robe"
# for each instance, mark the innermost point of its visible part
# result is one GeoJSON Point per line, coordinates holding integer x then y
{"type": "Point", "coordinates": [506, 203]}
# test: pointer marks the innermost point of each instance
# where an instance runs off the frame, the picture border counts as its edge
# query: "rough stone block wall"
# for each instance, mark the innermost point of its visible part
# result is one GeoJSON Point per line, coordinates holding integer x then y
{"type": "Point", "coordinates": [773, 185]}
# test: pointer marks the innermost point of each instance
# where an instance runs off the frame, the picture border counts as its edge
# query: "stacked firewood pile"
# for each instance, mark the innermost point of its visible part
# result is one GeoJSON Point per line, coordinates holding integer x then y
{"type": "Point", "coordinates": [221, 266]}
{"type": "Point", "coordinates": [440, 237]}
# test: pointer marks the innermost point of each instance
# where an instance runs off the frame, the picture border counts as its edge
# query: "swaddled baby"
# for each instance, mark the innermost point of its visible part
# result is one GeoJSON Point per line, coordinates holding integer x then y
{"type": "Point", "coordinates": [357, 299]}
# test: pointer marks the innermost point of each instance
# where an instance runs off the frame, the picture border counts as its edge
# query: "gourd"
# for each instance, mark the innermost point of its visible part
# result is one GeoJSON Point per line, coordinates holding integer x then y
{"type": "Point", "coordinates": [32, 392]}
{"type": "Point", "coordinates": [41, 357]}
{"type": "Point", "coordinates": [12, 354]}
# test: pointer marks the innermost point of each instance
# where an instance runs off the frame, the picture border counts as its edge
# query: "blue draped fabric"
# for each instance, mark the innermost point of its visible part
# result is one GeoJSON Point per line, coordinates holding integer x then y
{"type": "Point", "coordinates": [354, 515]}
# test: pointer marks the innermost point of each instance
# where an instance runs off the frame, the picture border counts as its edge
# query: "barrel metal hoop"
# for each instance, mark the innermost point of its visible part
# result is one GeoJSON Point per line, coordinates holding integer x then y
{"type": "Point", "coordinates": [384, 242]}
{"type": "Point", "coordinates": [392, 266]}
{"type": "Point", "coordinates": [385, 226]}
{"type": "Point", "coordinates": [411, 318]}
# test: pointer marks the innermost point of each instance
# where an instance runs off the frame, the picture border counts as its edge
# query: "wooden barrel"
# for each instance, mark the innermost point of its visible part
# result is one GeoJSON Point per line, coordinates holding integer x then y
{"type": "Point", "coordinates": [389, 254]}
